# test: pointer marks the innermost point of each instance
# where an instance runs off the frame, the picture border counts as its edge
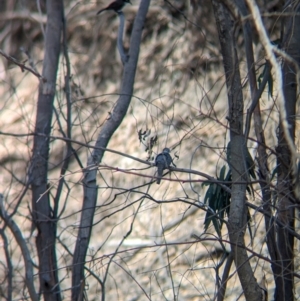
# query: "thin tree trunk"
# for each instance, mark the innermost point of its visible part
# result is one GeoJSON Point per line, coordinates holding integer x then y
{"type": "Point", "coordinates": [43, 218]}
{"type": "Point", "coordinates": [89, 183]}
{"type": "Point", "coordinates": [262, 155]}
{"type": "Point", "coordinates": [285, 186]}
{"type": "Point", "coordinates": [237, 217]}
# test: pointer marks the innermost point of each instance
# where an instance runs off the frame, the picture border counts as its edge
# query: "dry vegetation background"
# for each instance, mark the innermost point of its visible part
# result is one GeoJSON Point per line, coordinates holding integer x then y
{"type": "Point", "coordinates": [179, 97]}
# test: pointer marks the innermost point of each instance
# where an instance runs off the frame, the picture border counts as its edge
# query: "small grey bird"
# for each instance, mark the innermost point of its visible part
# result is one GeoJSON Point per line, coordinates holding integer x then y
{"type": "Point", "coordinates": [162, 161]}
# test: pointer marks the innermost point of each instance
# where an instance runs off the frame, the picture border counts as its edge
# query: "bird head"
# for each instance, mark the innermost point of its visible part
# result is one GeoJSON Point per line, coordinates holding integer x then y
{"type": "Point", "coordinates": [166, 150]}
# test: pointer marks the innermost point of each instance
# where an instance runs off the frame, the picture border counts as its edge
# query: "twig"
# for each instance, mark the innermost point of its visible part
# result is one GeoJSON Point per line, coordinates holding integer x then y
{"type": "Point", "coordinates": [22, 65]}
{"type": "Point", "coordinates": [24, 249]}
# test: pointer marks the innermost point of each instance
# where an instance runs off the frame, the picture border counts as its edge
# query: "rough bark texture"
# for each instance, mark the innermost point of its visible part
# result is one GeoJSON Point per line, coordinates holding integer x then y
{"type": "Point", "coordinates": [286, 197]}
{"type": "Point", "coordinates": [89, 182]}
{"type": "Point", "coordinates": [43, 217]}
{"type": "Point", "coordinates": [237, 217]}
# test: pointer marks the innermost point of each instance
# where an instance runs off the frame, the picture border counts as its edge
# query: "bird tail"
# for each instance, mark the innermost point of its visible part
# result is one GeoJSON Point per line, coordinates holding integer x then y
{"type": "Point", "coordinates": [160, 169]}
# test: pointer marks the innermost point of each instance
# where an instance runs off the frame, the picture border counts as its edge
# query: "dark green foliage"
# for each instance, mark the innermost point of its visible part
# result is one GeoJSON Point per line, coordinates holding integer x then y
{"type": "Point", "coordinates": [250, 164]}
{"type": "Point", "coordinates": [218, 201]}
{"type": "Point", "coordinates": [270, 79]}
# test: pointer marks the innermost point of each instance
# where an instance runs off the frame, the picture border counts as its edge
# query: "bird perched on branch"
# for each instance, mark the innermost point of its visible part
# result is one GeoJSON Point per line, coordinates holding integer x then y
{"type": "Point", "coordinates": [163, 161]}
{"type": "Point", "coordinates": [116, 6]}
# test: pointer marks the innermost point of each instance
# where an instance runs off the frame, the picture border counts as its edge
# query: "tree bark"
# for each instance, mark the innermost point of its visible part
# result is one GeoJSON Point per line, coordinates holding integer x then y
{"type": "Point", "coordinates": [237, 217]}
{"type": "Point", "coordinates": [89, 182]}
{"type": "Point", "coordinates": [262, 154]}
{"type": "Point", "coordinates": [285, 185]}
{"type": "Point", "coordinates": [43, 218]}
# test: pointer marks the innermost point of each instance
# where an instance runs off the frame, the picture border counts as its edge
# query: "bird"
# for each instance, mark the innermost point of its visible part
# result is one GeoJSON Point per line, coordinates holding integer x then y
{"type": "Point", "coordinates": [162, 161]}
{"type": "Point", "coordinates": [116, 6]}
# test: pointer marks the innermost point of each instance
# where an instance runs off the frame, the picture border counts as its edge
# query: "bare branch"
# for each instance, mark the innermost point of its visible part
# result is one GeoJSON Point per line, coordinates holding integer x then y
{"type": "Point", "coordinates": [29, 279]}
{"type": "Point", "coordinates": [22, 66]}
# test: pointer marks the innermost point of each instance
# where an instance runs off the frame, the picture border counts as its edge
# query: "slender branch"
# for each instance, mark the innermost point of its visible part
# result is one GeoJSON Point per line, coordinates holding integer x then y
{"type": "Point", "coordinates": [9, 265]}
{"type": "Point", "coordinates": [69, 151]}
{"type": "Point", "coordinates": [29, 279]}
{"type": "Point", "coordinates": [90, 182]}
{"type": "Point", "coordinates": [270, 52]}
{"type": "Point", "coordinates": [124, 56]}
{"type": "Point", "coordinates": [22, 65]}
{"type": "Point", "coordinates": [221, 293]}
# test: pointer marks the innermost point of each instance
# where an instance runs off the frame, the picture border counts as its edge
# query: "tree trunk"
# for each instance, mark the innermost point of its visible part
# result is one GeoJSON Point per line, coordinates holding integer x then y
{"type": "Point", "coordinates": [90, 182]}
{"type": "Point", "coordinates": [43, 218]}
{"type": "Point", "coordinates": [285, 186]}
{"type": "Point", "coordinates": [237, 217]}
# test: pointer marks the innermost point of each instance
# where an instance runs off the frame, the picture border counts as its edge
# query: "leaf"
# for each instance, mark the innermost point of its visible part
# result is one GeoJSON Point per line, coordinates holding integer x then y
{"type": "Point", "coordinates": [218, 201]}
{"type": "Point", "coordinates": [217, 226]}
{"type": "Point", "coordinates": [270, 86]}
{"type": "Point", "coordinates": [270, 80]}
{"type": "Point", "coordinates": [208, 217]}
{"type": "Point", "coordinates": [250, 164]}
{"type": "Point", "coordinates": [208, 194]}
{"type": "Point", "coordinates": [275, 171]}
{"type": "Point", "coordinates": [249, 225]}
{"type": "Point", "coordinates": [222, 173]}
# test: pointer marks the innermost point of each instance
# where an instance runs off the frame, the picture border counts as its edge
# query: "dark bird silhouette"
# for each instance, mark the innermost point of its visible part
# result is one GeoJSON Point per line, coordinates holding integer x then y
{"type": "Point", "coordinates": [116, 6]}
{"type": "Point", "coordinates": [162, 161]}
